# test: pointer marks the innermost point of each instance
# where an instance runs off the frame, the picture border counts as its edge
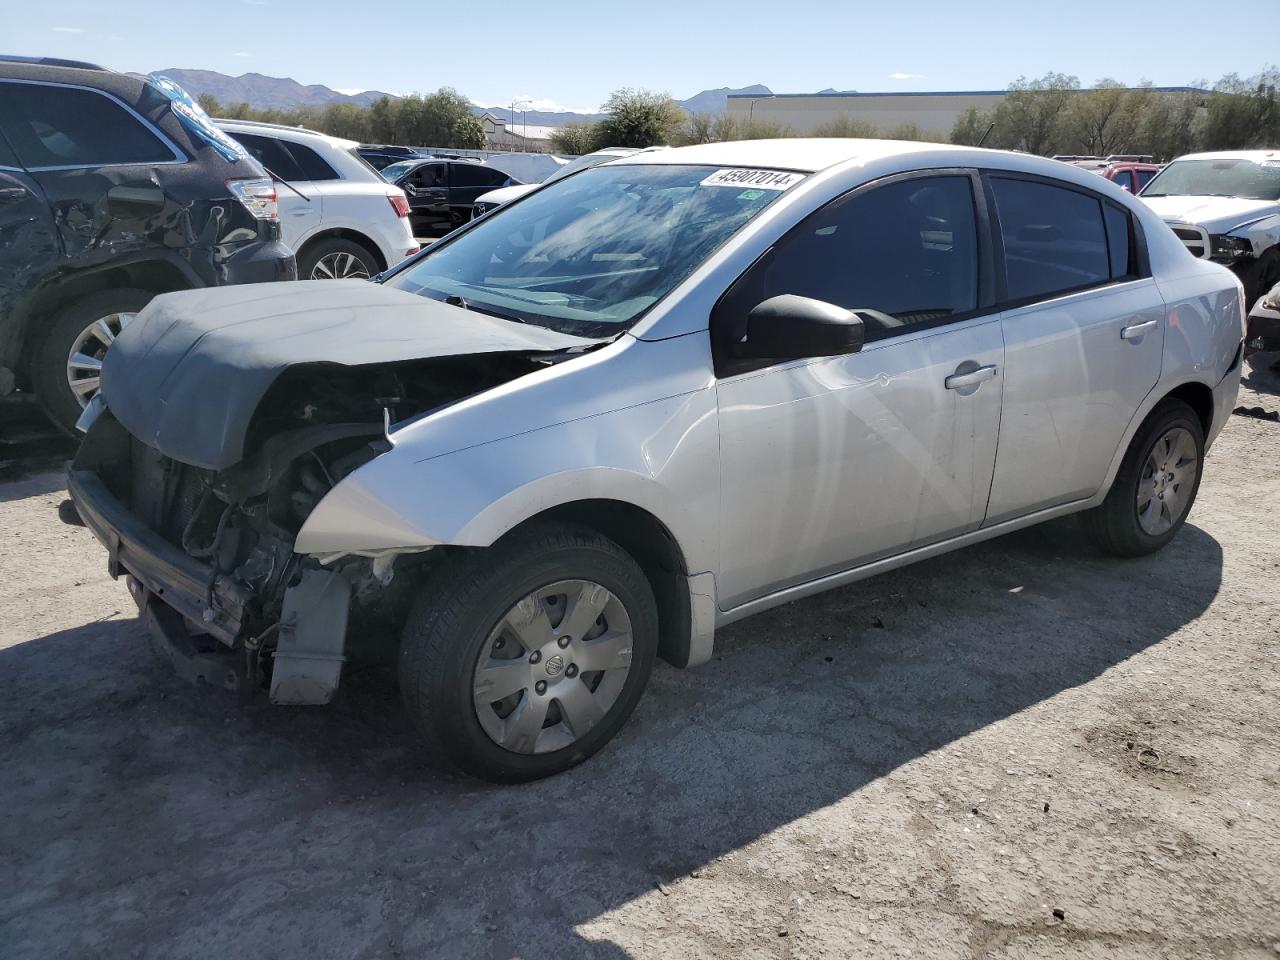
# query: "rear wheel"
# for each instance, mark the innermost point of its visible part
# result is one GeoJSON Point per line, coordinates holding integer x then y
{"type": "Point", "coordinates": [1155, 486]}
{"type": "Point", "coordinates": [67, 365]}
{"type": "Point", "coordinates": [526, 658]}
{"type": "Point", "coordinates": [336, 259]}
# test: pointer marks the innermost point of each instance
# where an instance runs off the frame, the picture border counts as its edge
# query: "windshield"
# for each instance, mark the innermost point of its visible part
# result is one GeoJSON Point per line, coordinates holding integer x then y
{"type": "Point", "coordinates": [589, 255]}
{"type": "Point", "coordinates": [1246, 179]}
{"type": "Point", "coordinates": [395, 171]}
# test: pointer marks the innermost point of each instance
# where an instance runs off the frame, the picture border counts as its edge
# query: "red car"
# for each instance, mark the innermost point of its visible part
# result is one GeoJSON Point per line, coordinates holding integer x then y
{"type": "Point", "coordinates": [1130, 176]}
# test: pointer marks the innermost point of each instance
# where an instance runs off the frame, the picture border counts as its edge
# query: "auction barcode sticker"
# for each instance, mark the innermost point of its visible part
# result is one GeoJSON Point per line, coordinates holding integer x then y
{"type": "Point", "coordinates": [760, 179]}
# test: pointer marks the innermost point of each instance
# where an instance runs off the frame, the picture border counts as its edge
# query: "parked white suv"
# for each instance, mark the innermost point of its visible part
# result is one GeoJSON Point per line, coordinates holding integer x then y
{"type": "Point", "coordinates": [1225, 207]}
{"type": "Point", "coordinates": [496, 198]}
{"type": "Point", "coordinates": [341, 218]}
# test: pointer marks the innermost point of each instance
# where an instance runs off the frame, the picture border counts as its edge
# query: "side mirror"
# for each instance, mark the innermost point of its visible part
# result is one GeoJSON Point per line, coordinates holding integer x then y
{"type": "Point", "coordinates": [131, 202]}
{"type": "Point", "coordinates": [790, 327]}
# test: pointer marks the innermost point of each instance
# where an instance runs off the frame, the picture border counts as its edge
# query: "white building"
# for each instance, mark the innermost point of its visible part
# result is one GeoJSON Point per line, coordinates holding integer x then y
{"type": "Point", "coordinates": [518, 136]}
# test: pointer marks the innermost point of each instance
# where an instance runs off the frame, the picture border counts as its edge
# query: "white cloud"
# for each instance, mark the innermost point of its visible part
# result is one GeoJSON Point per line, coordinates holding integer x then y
{"type": "Point", "coordinates": [350, 91]}
{"type": "Point", "coordinates": [242, 54]}
{"type": "Point", "coordinates": [67, 30]}
{"type": "Point", "coordinates": [906, 76]}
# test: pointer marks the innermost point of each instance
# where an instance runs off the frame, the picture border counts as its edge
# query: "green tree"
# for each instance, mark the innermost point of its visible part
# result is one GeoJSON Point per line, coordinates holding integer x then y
{"type": "Point", "coordinates": [1031, 118]}
{"type": "Point", "coordinates": [970, 127]}
{"type": "Point", "coordinates": [1105, 119]}
{"type": "Point", "coordinates": [1243, 113]}
{"type": "Point", "coordinates": [697, 128]}
{"type": "Point", "coordinates": [638, 118]}
{"type": "Point", "coordinates": [1172, 124]}
{"type": "Point", "coordinates": [574, 139]}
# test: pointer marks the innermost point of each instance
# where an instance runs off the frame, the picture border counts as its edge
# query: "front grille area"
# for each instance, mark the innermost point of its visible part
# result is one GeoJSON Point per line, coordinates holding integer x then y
{"type": "Point", "coordinates": [1193, 238]}
{"type": "Point", "coordinates": [163, 493]}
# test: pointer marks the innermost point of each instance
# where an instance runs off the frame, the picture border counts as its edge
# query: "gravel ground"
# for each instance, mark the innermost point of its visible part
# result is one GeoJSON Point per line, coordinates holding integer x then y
{"type": "Point", "coordinates": [1021, 750]}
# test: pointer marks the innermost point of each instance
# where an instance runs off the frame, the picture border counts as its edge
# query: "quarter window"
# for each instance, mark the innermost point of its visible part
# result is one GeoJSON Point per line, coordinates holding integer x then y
{"type": "Point", "coordinates": [1054, 238]}
{"type": "Point", "coordinates": [69, 126]}
{"type": "Point", "coordinates": [902, 255]}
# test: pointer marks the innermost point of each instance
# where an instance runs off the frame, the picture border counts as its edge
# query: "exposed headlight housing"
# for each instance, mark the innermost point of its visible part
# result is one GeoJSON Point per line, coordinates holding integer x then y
{"type": "Point", "coordinates": [1227, 249]}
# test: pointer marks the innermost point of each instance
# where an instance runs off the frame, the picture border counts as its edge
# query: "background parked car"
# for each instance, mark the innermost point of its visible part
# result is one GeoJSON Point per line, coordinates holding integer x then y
{"type": "Point", "coordinates": [496, 198]}
{"type": "Point", "coordinates": [1264, 323]}
{"type": "Point", "coordinates": [1225, 207]}
{"type": "Point", "coordinates": [1129, 175]}
{"type": "Point", "coordinates": [442, 192]}
{"type": "Point", "coordinates": [341, 218]}
{"type": "Point", "coordinates": [379, 156]}
{"type": "Point", "coordinates": [112, 189]}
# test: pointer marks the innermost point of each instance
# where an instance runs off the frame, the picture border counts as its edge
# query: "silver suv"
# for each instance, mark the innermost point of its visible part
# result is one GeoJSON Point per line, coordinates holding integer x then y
{"type": "Point", "coordinates": [642, 403]}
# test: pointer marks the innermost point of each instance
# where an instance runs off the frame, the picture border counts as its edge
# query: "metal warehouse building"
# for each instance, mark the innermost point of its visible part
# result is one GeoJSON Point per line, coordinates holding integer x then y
{"type": "Point", "coordinates": [932, 112]}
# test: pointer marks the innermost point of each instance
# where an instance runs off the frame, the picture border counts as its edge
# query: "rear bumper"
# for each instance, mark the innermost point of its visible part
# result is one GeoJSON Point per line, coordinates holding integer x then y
{"type": "Point", "coordinates": [184, 584]}
{"type": "Point", "coordinates": [264, 262]}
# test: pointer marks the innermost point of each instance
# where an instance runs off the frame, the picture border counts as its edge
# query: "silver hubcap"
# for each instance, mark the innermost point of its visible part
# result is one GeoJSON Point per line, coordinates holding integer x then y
{"type": "Point", "coordinates": [1167, 479]}
{"type": "Point", "coordinates": [339, 266]}
{"type": "Point", "coordinates": [552, 667]}
{"type": "Point", "coordinates": [84, 363]}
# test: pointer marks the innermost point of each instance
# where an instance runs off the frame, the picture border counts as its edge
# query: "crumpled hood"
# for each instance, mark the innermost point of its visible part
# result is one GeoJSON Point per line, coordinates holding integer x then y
{"type": "Point", "coordinates": [1216, 214]}
{"type": "Point", "coordinates": [188, 373]}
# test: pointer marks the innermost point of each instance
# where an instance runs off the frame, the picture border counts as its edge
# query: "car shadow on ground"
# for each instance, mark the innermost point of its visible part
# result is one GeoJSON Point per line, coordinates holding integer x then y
{"type": "Point", "coordinates": [146, 818]}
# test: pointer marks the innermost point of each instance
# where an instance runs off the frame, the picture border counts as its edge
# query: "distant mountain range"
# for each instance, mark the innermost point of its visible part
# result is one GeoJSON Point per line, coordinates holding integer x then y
{"type": "Point", "coordinates": [283, 93]}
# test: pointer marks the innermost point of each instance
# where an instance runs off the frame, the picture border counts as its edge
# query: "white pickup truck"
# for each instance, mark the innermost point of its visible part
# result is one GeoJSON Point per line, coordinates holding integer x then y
{"type": "Point", "coordinates": [1225, 207]}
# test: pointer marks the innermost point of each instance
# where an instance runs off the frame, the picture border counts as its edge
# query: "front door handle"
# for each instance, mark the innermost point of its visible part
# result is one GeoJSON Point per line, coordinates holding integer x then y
{"type": "Point", "coordinates": [12, 194]}
{"type": "Point", "coordinates": [971, 378]}
{"type": "Point", "coordinates": [1135, 330]}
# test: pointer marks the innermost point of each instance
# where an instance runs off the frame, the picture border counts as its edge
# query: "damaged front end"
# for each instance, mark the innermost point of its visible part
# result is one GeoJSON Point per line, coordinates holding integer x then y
{"type": "Point", "coordinates": [210, 552]}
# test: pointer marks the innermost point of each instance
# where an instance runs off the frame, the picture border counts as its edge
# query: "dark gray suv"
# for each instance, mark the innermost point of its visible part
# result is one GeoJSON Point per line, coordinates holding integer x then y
{"type": "Point", "coordinates": [113, 189]}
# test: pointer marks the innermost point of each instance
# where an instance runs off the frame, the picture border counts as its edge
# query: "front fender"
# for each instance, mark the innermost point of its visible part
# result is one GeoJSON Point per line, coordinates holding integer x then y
{"type": "Point", "coordinates": [661, 456]}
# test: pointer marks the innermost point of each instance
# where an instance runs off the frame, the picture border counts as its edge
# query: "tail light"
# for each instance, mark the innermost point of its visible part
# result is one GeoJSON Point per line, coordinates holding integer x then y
{"type": "Point", "coordinates": [400, 203]}
{"type": "Point", "coordinates": [258, 197]}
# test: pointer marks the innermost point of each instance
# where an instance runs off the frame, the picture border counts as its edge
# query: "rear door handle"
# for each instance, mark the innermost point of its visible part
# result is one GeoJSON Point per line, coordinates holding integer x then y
{"type": "Point", "coordinates": [1135, 330]}
{"type": "Point", "coordinates": [11, 194]}
{"type": "Point", "coordinates": [958, 381]}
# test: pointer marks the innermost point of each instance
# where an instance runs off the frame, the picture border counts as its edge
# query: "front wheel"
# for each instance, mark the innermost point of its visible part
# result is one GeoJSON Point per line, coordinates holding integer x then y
{"type": "Point", "coordinates": [523, 660]}
{"type": "Point", "coordinates": [1155, 486]}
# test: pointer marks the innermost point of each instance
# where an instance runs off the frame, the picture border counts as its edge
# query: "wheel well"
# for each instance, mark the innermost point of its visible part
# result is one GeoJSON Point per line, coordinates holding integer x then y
{"type": "Point", "coordinates": [154, 275]}
{"type": "Point", "coordinates": [341, 233]}
{"type": "Point", "coordinates": [652, 546]}
{"type": "Point", "coordinates": [1199, 398]}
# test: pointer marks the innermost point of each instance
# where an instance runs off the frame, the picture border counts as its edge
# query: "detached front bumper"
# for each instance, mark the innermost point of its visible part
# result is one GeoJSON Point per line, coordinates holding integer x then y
{"type": "Point", "coordinates": [201, 620]}
{"type": "Point", "coordinates": [191, 588]}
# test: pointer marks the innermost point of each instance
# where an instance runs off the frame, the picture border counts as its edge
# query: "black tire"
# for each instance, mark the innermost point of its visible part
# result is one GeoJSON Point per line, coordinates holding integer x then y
{"type": "Point", "coordinates": [53, 349]}
{"type": "Point", "coordinates": [450, 624]}
{"type": "Point", "coordinates": [1114, 523]}
{"type": "Point", "coordinates": [315, 252]}
{"type": "Point", "coordinates": [1263, 275]}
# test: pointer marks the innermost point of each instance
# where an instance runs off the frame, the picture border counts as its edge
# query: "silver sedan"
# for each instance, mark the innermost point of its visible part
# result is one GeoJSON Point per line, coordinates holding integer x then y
{"type": "Point", "coordinates": [639, 404]}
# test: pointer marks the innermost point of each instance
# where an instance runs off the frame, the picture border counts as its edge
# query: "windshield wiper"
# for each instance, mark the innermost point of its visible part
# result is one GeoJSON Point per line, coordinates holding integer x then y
{"type": "Point", "coordinates": [454, 300]}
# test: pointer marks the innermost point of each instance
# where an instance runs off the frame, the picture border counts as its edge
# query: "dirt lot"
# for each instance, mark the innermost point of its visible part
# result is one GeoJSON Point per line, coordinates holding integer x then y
{"type": "Point", "coordinates": [1020, 750]}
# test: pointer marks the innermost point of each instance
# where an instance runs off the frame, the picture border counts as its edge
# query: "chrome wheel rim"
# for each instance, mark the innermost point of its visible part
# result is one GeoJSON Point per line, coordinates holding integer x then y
{"type": "Point", "coordinates": [1168, 477]}
{"type": "Point", "coordinates": [84, 362]}
{"type": "Point", "coordinates": [340, 266]}
{"type": "Point", "coordinates": [552, 667]}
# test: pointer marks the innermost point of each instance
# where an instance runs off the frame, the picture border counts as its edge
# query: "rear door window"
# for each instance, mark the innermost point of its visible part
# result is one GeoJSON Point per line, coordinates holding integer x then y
{"type": "Point", "coordinates": [59, 126]}
{"type": "Point", "coordinates": [289, 161]}
{"type": "Point", "coordinates": [1055, 239]}
{"type": "Point", "coordinates": [1124, 180]}
{"type": "Point", "coordinates": [1144, 177]}
{"type": "Point", "coordinates": [474, 175]}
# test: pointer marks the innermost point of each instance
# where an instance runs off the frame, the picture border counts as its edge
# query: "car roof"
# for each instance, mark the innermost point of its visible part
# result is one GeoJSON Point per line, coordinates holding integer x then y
{"type": "Point", "coordinates": [301, 134]}
{"type": "Point", "coordinates": [1254, 155]}
{"type": "Point", "coordinates": [811, 155]}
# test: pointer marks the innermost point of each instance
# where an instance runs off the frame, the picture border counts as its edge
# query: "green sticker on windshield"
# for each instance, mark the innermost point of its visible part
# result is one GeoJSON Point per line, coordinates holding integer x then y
{"type": "Point", "coordinates": [751, 195]}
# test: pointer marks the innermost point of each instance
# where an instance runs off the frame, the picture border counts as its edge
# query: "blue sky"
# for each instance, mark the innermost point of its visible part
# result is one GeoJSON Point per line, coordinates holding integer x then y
{"type": "Point", "coordinates": [574, 53]}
